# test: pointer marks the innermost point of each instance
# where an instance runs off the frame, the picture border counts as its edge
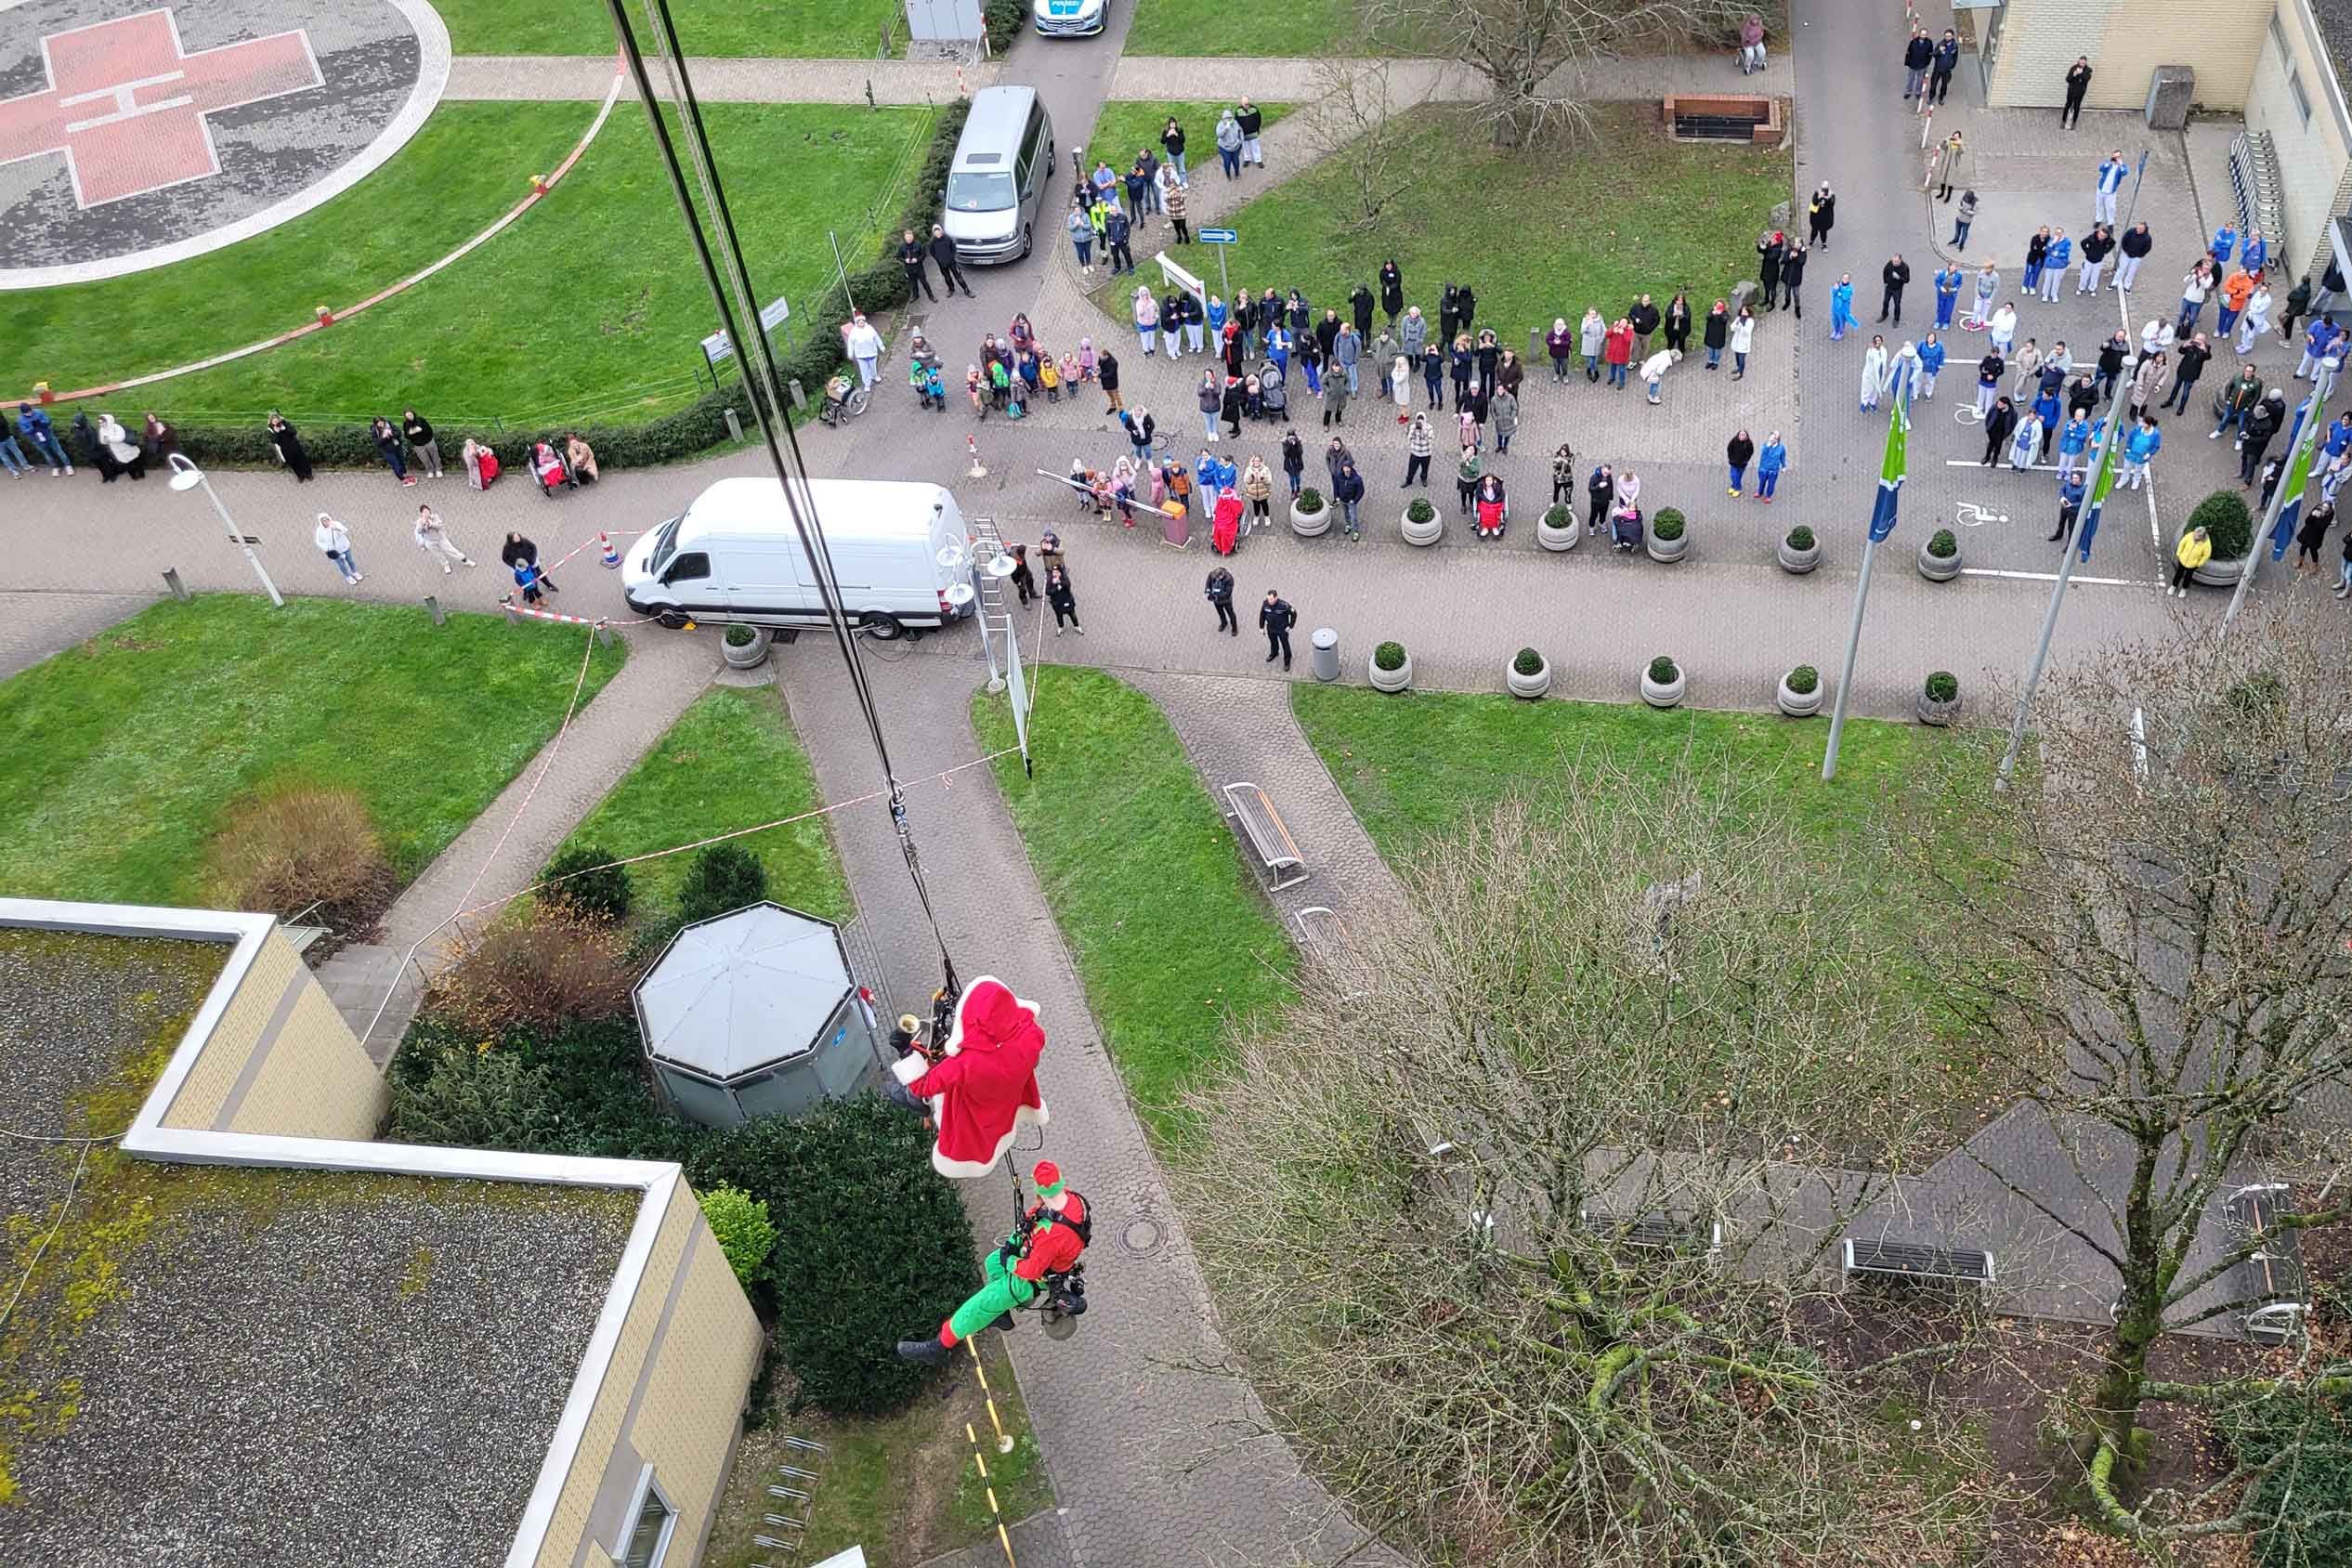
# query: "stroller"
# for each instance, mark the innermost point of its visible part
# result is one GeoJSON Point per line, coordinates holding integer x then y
{"type": "Point", "coordinates": [1624, 528]}
{"type": "Point", "coordinates": [547, 467]}
{"type": "Point", "coordinates": [1273, 398]}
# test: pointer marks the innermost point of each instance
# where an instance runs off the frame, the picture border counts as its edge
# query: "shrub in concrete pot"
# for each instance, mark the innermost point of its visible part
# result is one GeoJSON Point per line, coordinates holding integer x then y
{"type": "Point", "coordinates": [1939, 556]}
{"type": "Point", "coordinates": [1669, 536]}
{"type": "Point", "coordinates": [745, 646]}
{"type": "Point", "coordinates": [1391, 668]}
{"type": "Point", "coordinates": [1939, 699]}
{"type": "Point", "coordinates": [2226, 522]}
{"type": "Point", "coordinates": [1662, 683]}
{"type": "Point", "coordinates": [1422, 524]}
{"type": "Point", "coordinates": [1799, 552]}
{"type": "Point", "coordinates": [1800, 693]}
{"type": "Point", "coordinates": [1557, 530]}
{"type": "Point", "coordinates": [1309, 514]}
{"type": "Point", "coordinates": [1528, 674]}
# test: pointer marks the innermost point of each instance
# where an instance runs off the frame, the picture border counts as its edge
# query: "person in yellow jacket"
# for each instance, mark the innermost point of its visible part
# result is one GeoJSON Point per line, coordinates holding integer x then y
{"type": "Point", "coordinates": [2196, 547]}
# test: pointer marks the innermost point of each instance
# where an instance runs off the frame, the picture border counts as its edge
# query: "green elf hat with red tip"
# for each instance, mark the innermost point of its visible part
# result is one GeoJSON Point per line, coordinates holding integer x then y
{"type": "Point", "coordinates": [1048, 1176]}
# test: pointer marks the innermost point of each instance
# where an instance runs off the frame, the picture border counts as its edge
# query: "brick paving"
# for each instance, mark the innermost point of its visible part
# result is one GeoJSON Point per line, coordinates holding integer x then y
{"type": "Point", "coordinates": [33, 626]}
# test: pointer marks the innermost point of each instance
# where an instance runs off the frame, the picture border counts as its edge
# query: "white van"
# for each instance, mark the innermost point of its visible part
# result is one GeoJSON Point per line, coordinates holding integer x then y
{"type": "Point", "coordinates": [735, 555]}
{"type": "Point", "coordinates": [997, 184]}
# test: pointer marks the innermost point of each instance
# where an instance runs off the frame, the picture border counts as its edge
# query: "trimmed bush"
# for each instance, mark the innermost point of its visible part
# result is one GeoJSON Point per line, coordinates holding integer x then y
{"type": "Point", "coordinates": [722, 877]}
{"type": "Point", "coordinates": [464, 1096]}
{"type": "Point", "coordinates": [880, 285]}
{"type": "Point", "coordinates": [1804, 679]}
{"type": "Point", "coordinates": [301, 851]}
{"type": "Point", "coordinates": [1667, 524]}
{"type": "Point", "coordinates": [586, 886]}
{"type": "Point", "coordinates": [1529, 662]}
{"type": "Point", "coordinates": [2223, 516]}
{"type": "Point", "coordinates": [745, 1235]}
{"type": "Point", "coordinates": [546, 974]}
{"type": "Point", "coordinates": [1004, 21]}
{"type": "Point", "coordinates": [872, 1244]}
{"type": "Point", "coordinates": [1943, 544]}
{"type": "Point", "coordinates": [1310, 501]}
{"type": "Point", "coordinates": [1389, 655]}
{"type": "Point", "coordinates": [1558, 516]}
{"type": "Point", "coordinates": [573, 1088]}
{"type": "Point", "coordinates": [1942, 686]}
{"type": "Point", "coordinates": [1800, 538]}
{"type": "Point", "coordinates": [1662, 670]}
{"type": "Point", "coordinates": [1420, 511]}
{"type": "Point", "coordinates": [739, 635]}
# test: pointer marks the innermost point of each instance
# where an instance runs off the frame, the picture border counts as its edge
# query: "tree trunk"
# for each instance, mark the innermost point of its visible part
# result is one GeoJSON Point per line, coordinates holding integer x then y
{"type": "Point", "coordinates": [2140, 1316]}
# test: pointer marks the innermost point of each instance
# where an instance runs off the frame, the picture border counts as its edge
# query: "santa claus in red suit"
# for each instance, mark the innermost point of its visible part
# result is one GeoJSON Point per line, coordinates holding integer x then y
{"type": "Point", "coordinates": [983, 1087]}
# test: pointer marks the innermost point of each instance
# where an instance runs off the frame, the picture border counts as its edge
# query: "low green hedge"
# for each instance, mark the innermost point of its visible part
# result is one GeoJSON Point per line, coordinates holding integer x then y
{"type": "Point", "coordinates": [689, 431]}
{"type": "Point", "coordinates": [1003, 20]}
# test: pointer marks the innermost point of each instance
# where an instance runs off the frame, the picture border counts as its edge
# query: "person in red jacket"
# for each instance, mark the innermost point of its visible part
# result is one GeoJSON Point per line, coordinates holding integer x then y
{"type": "Point", "coordinates": [983, 1086]}
{"type": "Point", "coordinates": [1616, 351]}
{"type": "Point", "coordinates": [1045, 1248]}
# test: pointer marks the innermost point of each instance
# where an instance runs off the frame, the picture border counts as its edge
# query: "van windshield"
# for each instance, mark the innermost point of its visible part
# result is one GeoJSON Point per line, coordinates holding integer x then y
{"type": "Point", "coordinates": [665, 545]}
{"type": "Point", "coordinates": [980, 190]}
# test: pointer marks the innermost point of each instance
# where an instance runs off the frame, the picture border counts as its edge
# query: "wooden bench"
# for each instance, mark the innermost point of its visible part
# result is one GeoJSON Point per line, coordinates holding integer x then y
{"type": "Point", "coordinates": [1659, 1233]}
{"type": "Point", "coordinates": [1270, 842]}
{"type": "Point", "coordinates": [1917, 1260]}
{"type": "Point", "coordinates": [2273, 1272]}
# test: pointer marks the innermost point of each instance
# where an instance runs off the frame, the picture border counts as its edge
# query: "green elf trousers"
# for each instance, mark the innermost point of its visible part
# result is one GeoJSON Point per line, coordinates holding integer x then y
{"type": "Point", "coordinates": [1002, 1291]}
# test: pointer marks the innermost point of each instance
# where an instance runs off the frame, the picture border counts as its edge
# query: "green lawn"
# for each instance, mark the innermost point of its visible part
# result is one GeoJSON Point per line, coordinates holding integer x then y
{"type": "Point", "coordinates": [1538, 234]}
{"type": "Point", "coordinates": [590, 305]}
{"type": "Point", "coordinates": [730, 761]}
{"type": "Point", "coordinates": [824, 29]}
{"type": "Point", "coordinates": [123, 753]}
{"type": "Point", "coordinates": [1144, 879]}
{"type": "Point", "coordinates": [1209, 27]}
{"type": "Point", "coordinates": [1122, 129]}
{"type": "Point", "coordinates": [1415, 769]}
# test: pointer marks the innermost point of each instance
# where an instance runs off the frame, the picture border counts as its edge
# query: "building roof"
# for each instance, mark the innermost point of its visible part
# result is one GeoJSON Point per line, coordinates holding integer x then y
{"type": "Point", "coordinates": [225, 1366]}
{"type": "Point", "coordinates": [743, 991]}
{"type": "Point", "coordinates": [2334, 17]}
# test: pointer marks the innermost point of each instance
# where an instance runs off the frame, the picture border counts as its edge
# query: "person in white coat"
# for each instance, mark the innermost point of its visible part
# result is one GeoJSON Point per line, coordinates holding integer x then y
{"type": "Point", "coordinates": [2256, 320]}
{"type": "Point", "coordinates": [435, 541]}
{"type": "Point", "coordinates": [335, 542]}
{"type": "Point", "coordinates": [1653, 371]}
{"type": "Point", "coordinates": [2000, 329]}
{"type": "Point", "coordinates": [1873, 373]}
{"type": "Point", "coordinates": [1903, 377]}
{"type": "Point", "coordinates": [865, 346]}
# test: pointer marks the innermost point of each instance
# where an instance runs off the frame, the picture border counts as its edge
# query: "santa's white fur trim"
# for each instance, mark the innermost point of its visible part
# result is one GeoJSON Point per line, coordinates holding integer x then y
{"type": "Point", "coordinates": [965, 1169]}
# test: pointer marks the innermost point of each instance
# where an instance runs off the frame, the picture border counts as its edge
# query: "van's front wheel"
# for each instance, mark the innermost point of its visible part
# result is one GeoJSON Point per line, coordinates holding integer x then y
{"type": "Point", "coordinates": [881, 626]}
{"type": "Point", "coordinates": [672, 619]}
{"type": "Point", "coordinates": [1025, 240]}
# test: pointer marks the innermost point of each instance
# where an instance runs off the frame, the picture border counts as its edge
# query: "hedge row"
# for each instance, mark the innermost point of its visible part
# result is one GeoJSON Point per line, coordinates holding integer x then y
{"type": "Point", "coordinates": [673, 436]}
{"type": "Point", "coordinates": [1003, 20]}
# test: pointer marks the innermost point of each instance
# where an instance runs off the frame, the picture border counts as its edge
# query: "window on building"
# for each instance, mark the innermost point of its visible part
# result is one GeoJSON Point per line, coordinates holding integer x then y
{"type": "Point", "coordinates": [2302, 98]}
{"type": "Point", "coordinates": [2279, 41]}
{"type": "Point", "coordinates": [649, 1530]}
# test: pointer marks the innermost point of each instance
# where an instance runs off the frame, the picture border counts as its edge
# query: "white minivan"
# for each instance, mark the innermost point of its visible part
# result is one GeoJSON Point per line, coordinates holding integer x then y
{"type": "Point", "coordinates": [734, 555]}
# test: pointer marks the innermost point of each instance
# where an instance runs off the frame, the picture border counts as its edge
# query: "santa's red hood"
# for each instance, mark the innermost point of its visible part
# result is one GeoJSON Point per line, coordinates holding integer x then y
{"type": "Point", "coordinates": [993, 1018]}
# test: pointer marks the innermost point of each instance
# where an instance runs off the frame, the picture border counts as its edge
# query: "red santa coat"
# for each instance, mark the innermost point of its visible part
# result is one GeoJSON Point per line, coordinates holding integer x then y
{"type": "Point", "coordinates": [984, 1089]}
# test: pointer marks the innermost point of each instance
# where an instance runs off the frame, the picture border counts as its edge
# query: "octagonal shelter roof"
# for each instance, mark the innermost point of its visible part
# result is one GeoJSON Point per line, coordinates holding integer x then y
{"type": "Point", "coordinates": [742, 993]}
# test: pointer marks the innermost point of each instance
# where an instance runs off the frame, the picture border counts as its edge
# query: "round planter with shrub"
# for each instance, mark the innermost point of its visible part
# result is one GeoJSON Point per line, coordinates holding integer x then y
{"type": "Point", "coordinates": [1939, 556]}
{"type": "Point", "coordinates": [2224, 518]}
{"type": "Point", "coordinates": [745, 646]}
{"type": "Point", "coordinates": [1799, 551]}
{"type": "Point", "coordinates": [1669, 536]}
{"type": "Point", "coordinates": [1800, 693]}
{"type": "Point", "coordinates": [1557, 530]}
{"type": "Point", "coordinates": [1390, 668]}
{"type": "Point", "coordinates": [1309, 514]}
{"type": "Point", "coordinates": [1528, 674]}
{"type": "Point", "coordinates": [1939, 699]}
{"type": "Point", "coordinates": [1422, 524]}
{"type": "Point", "coordinates": [1662, 683]}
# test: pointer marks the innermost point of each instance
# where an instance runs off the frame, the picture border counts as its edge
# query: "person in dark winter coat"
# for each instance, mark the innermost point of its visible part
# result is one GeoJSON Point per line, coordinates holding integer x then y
{"type": "Point", "coordinates": [1793, 279]}
{"type": "Point", "coordinates": [1220, 590]}
{"type": "Point", "coordinates": [1999, 425]}
{"type": "Point", "coordinates": [1771, 249]}
{"type": "Point", "coordinates": [287, 442]}
{"type": "Point", "coordinates": [912, 253]}
{"type": "Point", "coordinates": [1391, 291]}
{"type": "Point", "coordinates": [1293, 460]}
{"type": "Point", "coordinates": [1449, 314]}
{"type": "Point", "coordinates": [1059, 594]}
{"type": "Point", "coordinates": [943, 256]}
{"type": "Point", "coordinates": [1821, 215]}
{"type": "Point", "coordinates": [1466, 306]}
{"type": "Point", "coordinates": [1106, 374]}
{"type": "Point", "coordinates": [2269, 416]}
{"type": "Point", "coordinates": [1892, 279]}
{"type": "Point", "coordinates": [1275, 617]}
{"type": "Point", "coordinates": [1360, 310]}
{"type": "Point", "coordinates": [1716, 331]}
{"type": "Point", "coordinates": [1600, 493]}
{"type": "Point", "coordinates": [1644, 318]}
{"type": "Point", "coordinates": [1678, 321]}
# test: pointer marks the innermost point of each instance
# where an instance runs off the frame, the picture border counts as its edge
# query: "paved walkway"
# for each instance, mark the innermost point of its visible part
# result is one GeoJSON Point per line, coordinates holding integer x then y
{"type": "Point", "coordinates": [33, 626]}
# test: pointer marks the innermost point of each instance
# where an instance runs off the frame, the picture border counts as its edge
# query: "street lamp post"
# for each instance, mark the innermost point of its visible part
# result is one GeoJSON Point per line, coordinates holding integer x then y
{"type": "Point", "coordinates": [185, 476]}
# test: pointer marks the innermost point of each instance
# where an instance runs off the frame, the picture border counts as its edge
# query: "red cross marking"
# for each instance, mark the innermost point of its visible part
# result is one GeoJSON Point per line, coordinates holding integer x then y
{"type": "Point", "coordinates": [126, 104]}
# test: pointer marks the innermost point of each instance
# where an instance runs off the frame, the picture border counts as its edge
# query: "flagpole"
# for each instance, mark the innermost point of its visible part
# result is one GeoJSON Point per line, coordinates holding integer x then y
{"type": "Point", "coordinates": [1882, 522]}
{"type": "Point", "coordinates": [2292, 481]}
{"type": "Point", "coordinates": [2084, 527]}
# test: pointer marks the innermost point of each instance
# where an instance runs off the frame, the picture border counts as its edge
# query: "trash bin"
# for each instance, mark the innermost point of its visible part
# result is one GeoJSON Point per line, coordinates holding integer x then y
{"type": "Point", "coordinates": [1326, 661]}
{"type": "Point", "coordinates": [1176, 528]}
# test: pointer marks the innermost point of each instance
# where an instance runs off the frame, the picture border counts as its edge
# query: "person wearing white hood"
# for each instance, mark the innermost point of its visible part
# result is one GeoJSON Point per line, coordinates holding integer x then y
{"type": "Point", "coordinates": [335, 542]}
{"type": "Point", "coordinates": [1653, 371]}
{"type": "Point", "coordinates": [1873, 373]}
{"type": "Point", "coordinates": [865, 346]}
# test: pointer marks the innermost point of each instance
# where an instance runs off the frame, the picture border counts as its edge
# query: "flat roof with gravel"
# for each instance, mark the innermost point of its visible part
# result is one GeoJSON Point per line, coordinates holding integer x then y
{"type": "Point", "coordinates": [224, 1366]}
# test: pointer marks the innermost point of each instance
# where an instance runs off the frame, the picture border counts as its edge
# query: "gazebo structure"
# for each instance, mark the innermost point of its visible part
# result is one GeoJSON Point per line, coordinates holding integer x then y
{"type": "Point", "coordinates": [753, 1013]}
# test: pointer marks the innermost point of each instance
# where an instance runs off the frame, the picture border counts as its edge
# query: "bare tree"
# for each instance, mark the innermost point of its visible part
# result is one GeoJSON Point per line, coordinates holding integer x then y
{"type": "Point", "coordinates": [1531, 51]}
{"type": "Point", "coordinates": [2157, 930]}
{"type": "Point", "coordinates": [1353, 121]}
{"type": "Point", "coordinates": [1517, 1216]}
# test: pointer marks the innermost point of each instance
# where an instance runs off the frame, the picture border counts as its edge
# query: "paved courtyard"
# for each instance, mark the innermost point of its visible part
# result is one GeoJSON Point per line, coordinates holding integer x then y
{"type": "Point", "coordinates": [1189, 1484]}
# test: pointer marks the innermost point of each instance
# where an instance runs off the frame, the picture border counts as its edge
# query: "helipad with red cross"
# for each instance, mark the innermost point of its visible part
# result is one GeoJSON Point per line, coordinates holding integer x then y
{"type": "Point", "coordinates": [135, 134]}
